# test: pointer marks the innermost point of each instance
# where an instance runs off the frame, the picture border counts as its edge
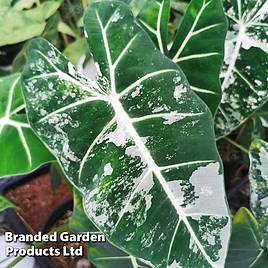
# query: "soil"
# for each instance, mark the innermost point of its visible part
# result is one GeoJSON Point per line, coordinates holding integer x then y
{"type": "Point", "coordinates": [37, 199]}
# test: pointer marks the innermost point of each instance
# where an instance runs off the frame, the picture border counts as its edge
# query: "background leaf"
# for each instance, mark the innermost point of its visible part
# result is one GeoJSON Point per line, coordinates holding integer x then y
{"type": "Point", "coordinates": [244, 74]}
{"type": "Point", "coordinates": [198, 48]}
{"type": "Point", "coordinates": [259, 184]}
{"type": "Point", "coordinates": [245, 244]}
{"type": "Point", "coordinates": [21, 151]}
{"type": "Point", "coordinates": [20, 25]}
{"type": "Point", "coordinates": [5, 203]}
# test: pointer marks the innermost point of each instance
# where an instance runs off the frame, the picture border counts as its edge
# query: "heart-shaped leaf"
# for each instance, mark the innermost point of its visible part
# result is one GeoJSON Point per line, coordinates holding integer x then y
{"type": "Point", "coordinates": [198, 46]}
{"type": "Point", "coordinates": [138, 143]}
{"type": "Point", "coordinates": [21, 151]}
{"type": "Point", "coordinates": [244, 74]}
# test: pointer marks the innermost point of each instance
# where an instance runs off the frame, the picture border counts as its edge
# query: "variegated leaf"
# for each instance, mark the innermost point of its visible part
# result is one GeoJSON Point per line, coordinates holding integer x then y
{"type": "Point", "coordinates": [138, 143]}
{"type": "Point", "coordinates": [102, 254]}
{"type": "Point", "coordinates": [259, 184]}
{"type": "Point", "coordinates": [20, 150]}
{"type": "Point", "coordinates": [198, 46]}
{"type": "Point", "coordinates": [244, 75]}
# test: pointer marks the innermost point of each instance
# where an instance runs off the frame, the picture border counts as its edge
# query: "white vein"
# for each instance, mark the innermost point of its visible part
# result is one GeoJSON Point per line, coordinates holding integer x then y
{"type": "Point", "coordinates": [110, 20]}
{"type": "Point", "coordinates": [108, 53]}
{"type": "Point", "coordinates": [161, 115]}
{"type": "Point", "coordinates": [242, 32]}
{"type": "Point", "coordinates": [133, 262]}
{"type": "Point", "coordinates": [18, 109]}
{"type": "Point", "coordinates": [158, 31]}
{"type": "Point", "coordinates": [202, 90]}
{"type": "Point", "coordinates": [123, 211]}
{"type": "Point", "coordinates": [185, 164]}
{"type": "Point", "coordinates": [25, 145]}
{"type": "Point", "coordinates": [196, 56]}
{"type": "Point", "coordinates": [231, 17]}
{"type": "Point", "coordinates": [143, 78]}
{"type": "Point", "coordinates": [69, 106]}
{"type": "Point", "coordinates": [64, 76]}
{"type": "Point", "coordinates": [152, 30]}
{"type": "Point", "coordinates": [92, 146]}
{"type": "Point", "coordinates": [124, 52]}
{"type": "Point", "coordinates": [6, 121]}
{"type": "Point", "coordinates": [239, 7]}
{"type": "Point", "coordinates": [245, 80]}
{"type": "Point", "coordinates": [172, 240]}
{"type": "Point", "coordinates": [190, 33]}
{"type": "Point", "coordinates": [231, 66]}
{"type": "Point", "coordinates": [205, 29]}
{"type": "Point", "coordinates": [10, 97]}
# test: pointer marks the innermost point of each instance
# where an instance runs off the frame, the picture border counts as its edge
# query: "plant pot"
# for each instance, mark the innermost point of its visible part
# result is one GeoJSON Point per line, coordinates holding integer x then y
{"type": "Point", "coordinates": [14, 220]}
{"type": "Point", "coordinates": [13, 217]}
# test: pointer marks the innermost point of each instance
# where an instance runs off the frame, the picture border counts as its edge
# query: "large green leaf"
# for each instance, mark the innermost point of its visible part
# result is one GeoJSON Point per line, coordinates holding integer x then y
{"type": "Point", "coordinates": [198, 45]}
{"type": "Point", "coordinates": [244, 74]}
{"type": "Point", "coordinates": [21, 151]}
{"type": "Point", "coordinates": [102, 254]}
{"type": "Point", "coordinates": [259, 184]}
{"type": "Point", "coordinates": [245, 244]}
{"type": "Point", "coordinates": [138, 143]}
{"type": "Point", "coordinates": [17, 25]}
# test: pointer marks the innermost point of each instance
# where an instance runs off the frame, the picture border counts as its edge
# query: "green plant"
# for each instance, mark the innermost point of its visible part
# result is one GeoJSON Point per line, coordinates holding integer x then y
{"type": "Point", "coordinates": [138, 144]}
{"type": "Point", "coordinates": [26, 150]}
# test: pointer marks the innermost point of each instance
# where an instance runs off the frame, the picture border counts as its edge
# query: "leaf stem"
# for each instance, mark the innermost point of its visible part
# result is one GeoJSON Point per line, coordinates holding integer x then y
{"type": "Point", "coordinates": [240, 147]}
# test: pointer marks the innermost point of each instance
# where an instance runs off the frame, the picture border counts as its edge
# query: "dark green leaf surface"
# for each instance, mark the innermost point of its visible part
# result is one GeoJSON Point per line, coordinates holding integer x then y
{"type": "Point", "coordinates": [154, 18]}
{"type": "Point", "coordinates": [198, 48]}
{"type": "Point", "coordinates": [244, 74]}
{"type": "Point", "coordinates": [20, 150]}
{"type": "Point", "coordinates": [135, 143]}
{"type": "Point", "coordinates": [245, 241]}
